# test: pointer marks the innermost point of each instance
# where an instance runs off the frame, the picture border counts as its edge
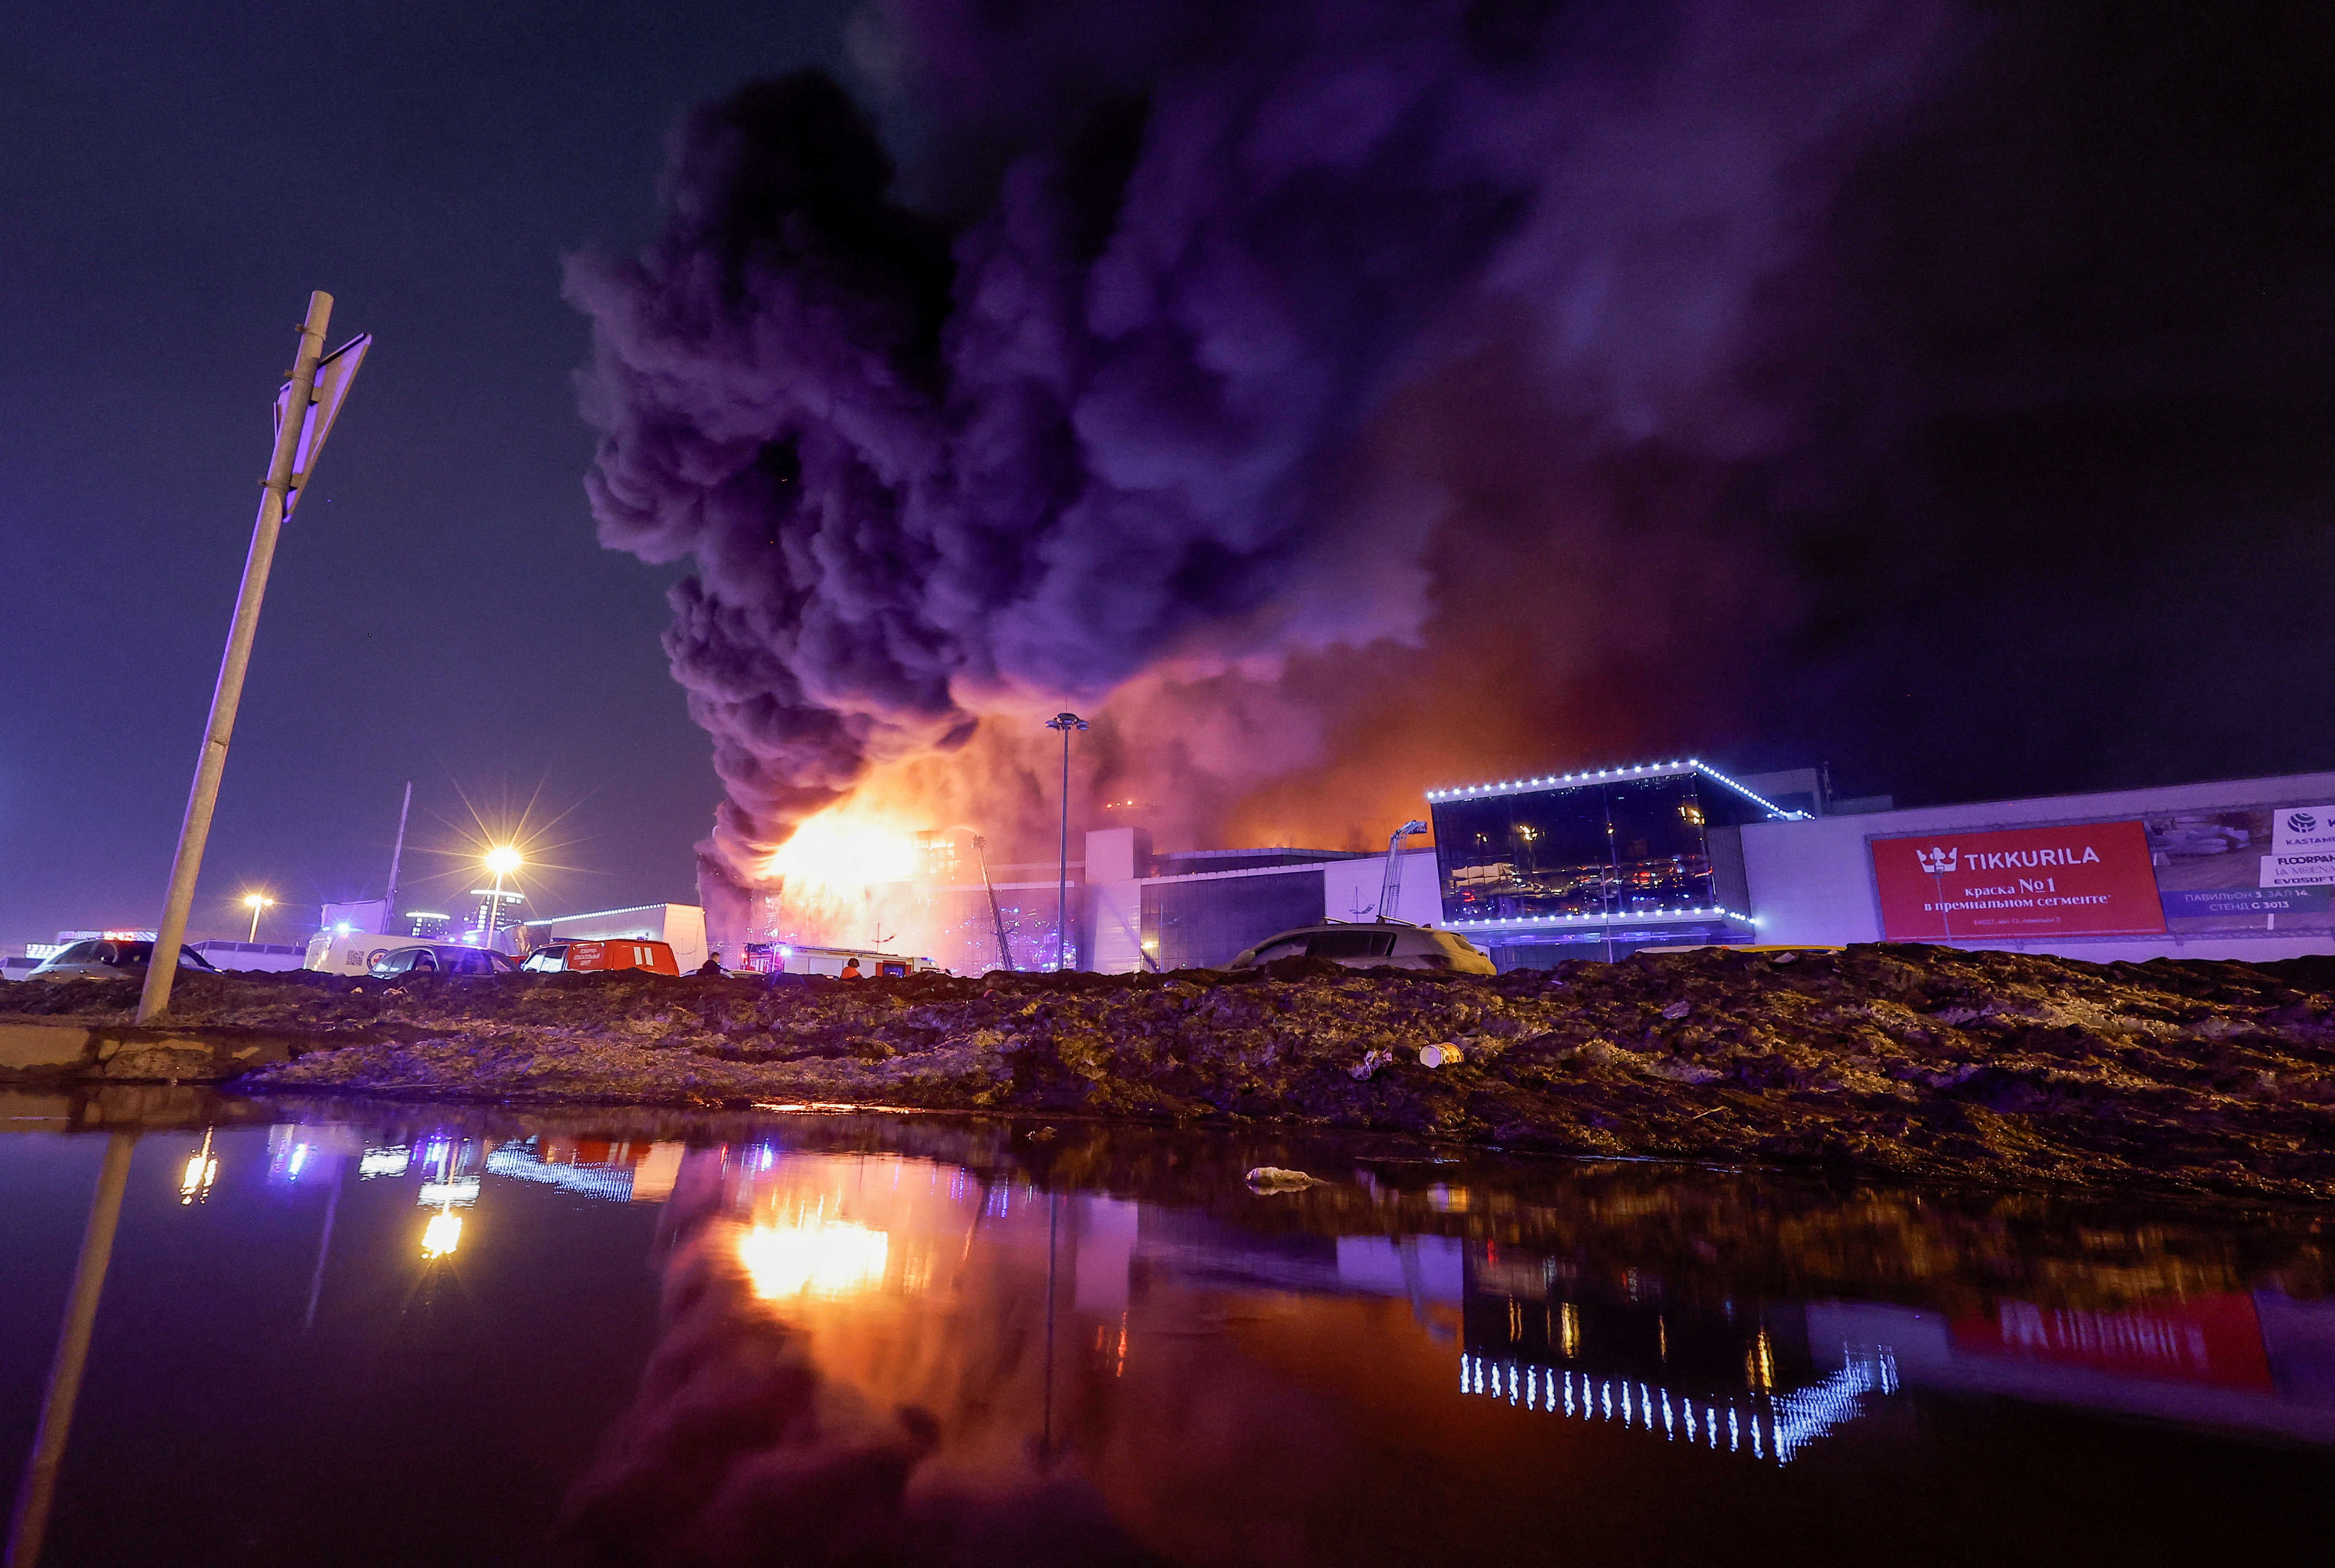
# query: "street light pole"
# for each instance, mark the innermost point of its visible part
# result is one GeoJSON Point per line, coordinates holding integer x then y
{"type": "Point", "coordinates": [257, 902]}
{"type": "Point", "coordinates": [1065, 722]}
{"type": "Point", "coordinates": [203, 798]}
{"type": "Point", "coordinates": [501, 861]}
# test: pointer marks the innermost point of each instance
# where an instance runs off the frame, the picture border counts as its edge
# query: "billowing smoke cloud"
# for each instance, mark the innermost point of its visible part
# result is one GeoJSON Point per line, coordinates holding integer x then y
{"type": "Point", "coordinates": [1351, 393]}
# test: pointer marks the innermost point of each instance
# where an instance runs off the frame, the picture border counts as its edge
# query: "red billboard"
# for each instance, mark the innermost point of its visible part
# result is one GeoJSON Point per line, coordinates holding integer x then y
{"type": "Point", "coordinates": [2089, 879]}
{"type": "Point", "coordinates": [2206, 1340]}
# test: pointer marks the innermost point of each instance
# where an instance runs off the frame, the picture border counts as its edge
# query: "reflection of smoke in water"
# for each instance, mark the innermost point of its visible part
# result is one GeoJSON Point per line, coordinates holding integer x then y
{"type": "Point", "coordinates": [780, 1417]}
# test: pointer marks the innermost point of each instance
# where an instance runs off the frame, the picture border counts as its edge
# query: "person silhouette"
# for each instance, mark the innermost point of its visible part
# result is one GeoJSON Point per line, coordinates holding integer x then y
{"type": "Point", "coordinates": [851, 969]}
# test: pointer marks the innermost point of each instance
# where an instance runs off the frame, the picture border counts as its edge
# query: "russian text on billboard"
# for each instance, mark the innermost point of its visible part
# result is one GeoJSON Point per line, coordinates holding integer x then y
{"type": "Point", "coordinates": [2088, 880]}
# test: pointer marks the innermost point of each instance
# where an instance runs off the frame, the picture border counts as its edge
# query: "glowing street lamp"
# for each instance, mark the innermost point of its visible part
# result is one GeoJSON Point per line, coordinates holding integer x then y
{"type": "Point", "coordinates": [255, 902]}
{"type": "Point", "coordinates": [502, 860]}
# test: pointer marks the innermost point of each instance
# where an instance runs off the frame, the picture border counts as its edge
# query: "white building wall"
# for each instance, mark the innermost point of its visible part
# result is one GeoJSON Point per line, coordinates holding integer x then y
{"type": "Point", "coordinates": [1350, 891]}
{"type": "Point", "coordinates": [1117, 946]}
{"type": "Point", "coordinates": [1812, 882]}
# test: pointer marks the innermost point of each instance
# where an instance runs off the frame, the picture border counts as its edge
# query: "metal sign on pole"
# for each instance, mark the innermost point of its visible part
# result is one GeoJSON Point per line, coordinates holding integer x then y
{"type": "Point", "coordinates": [317, 386]}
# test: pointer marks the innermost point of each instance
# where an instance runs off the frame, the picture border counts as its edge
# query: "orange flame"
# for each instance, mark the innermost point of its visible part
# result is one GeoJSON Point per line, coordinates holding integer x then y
{"type": "Point", "coordinates": [830, 870]}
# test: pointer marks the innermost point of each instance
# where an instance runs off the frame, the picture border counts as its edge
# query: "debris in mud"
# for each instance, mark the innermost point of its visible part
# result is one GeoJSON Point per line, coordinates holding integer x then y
{"type": "Point", "coordinates": [1903, 1061]}
{"type": "Point", "coordinates": [1272, 1178]}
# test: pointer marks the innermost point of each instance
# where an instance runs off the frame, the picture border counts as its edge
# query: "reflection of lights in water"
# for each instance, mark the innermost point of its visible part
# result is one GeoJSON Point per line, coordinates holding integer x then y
{"type": "Point", "coordinates": [1568, 1321]}
{"type": "Point", "coordinates": [442, 1234]}
{"type": "Point", "coordinates": [202, 1170]}
{"type": "Point", "coordinates": [299, 1157]}
{"type": "Point", "coordinates": [1774, 1426]}
{"type": "Point", "coordinates": [813, 1256]}
{"type": "Point", "coordinates": [382, 1162]}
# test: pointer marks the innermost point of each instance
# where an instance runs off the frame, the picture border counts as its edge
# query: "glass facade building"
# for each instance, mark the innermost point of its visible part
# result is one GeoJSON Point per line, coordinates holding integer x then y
{"type": "Point", "coordinates": [1638, 855]}
{"type": "Point", "coordinates": [1205, 923]}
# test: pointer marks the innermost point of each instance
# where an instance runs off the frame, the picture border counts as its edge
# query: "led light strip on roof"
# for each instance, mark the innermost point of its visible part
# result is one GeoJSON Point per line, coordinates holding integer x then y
{"type": "Point", "coordinates": [1611, 776]}
{"type": "Point", "coordinates": [1623, 914]}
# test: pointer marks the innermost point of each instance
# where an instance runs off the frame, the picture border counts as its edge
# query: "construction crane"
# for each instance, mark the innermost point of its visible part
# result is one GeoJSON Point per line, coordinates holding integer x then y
{"type": "Point", "coordinates": [997, 915]}
{"type": "Point", "coordinates": [1392, 886]}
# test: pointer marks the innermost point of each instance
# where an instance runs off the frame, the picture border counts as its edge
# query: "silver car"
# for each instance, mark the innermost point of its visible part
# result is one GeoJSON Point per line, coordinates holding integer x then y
{"type": "Point", "coordinates": [439, 958]}
{"type": "Point", "coordinates": [96, 960]}
{"type": "Point", "coordinates": [1367, 944]}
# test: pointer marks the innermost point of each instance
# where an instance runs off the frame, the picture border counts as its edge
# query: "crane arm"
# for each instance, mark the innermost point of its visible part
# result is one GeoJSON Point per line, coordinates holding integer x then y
{"type": "Point", "coordinates": [997, 915]}
{"type": "Point", "coordinates": [1390, 890]}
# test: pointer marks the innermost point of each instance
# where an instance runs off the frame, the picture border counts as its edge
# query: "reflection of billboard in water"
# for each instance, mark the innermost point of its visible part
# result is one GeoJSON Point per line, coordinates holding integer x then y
{"type": "Point", "coordinates": [2214, 1339]}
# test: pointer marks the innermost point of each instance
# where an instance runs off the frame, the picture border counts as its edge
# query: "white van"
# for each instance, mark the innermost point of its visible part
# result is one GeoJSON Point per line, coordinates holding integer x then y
{"type": "Point", "coordinates": [337, 952]}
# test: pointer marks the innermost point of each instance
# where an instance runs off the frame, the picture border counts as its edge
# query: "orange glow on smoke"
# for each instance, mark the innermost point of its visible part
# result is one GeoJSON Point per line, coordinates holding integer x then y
{"type": "Point", "coordinates": [845, 846]}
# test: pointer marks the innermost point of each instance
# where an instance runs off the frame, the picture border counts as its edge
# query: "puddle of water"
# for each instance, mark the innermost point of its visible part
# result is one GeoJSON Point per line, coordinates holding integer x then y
{"type": "Point", "coordinates": [359, 1332]}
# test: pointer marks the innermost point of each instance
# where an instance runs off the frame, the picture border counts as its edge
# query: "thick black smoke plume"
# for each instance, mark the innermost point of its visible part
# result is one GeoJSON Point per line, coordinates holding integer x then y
{"type": "Point", "coordinates": [1463, 384]}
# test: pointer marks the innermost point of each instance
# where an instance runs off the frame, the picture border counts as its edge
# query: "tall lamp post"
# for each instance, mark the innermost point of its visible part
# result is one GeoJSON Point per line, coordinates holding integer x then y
{"type": "Point", "coordinates": [255, 902]}
{"type": "Point", "coordinates": [306, 409]}
{"type": "Point", "coordinates": [1065, 722]}
{"type": "Point", "coordinates": [502, 860]}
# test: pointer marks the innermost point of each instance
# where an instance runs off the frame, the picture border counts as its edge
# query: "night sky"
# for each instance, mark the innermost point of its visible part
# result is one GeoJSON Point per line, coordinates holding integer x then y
{"type": "Point", "coordinates": [1349, 398]}
{"type": "Point", "coordinates": [174, 179]}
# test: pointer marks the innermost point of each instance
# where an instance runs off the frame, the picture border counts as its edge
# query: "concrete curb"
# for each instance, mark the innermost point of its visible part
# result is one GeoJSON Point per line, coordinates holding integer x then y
{"type": "Point", "coordinates": [47, 1053]}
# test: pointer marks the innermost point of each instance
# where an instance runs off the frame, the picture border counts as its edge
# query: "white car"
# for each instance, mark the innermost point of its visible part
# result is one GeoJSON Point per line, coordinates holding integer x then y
{"type": "Point", "coordinates": [1370, 943]}
{"type": "Point", "coordinates": [103, 959]}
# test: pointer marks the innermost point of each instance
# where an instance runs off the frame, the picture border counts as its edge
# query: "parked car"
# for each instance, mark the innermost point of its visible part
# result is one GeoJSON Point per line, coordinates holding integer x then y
{"type": "Point", "coordinates": [439, 958]}
{"type": "Point", "coordinates": [630, 952]}
{"type": "Point", "coordinates": [97, 960]}
{"type": "Point", "coordinates": [1368, 945]}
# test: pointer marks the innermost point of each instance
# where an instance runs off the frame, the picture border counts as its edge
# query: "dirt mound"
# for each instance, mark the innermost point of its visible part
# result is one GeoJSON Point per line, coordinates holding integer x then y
{"type": "Point", "coordinates": [1915, 1061]}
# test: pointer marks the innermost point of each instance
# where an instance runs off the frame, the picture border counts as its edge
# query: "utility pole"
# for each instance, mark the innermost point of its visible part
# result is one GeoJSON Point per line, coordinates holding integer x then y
{"type": "Point", "coordinates": [396, 855]}
{"type": "Point", "coordinates": [302, 420]}
{"type": "Point", "coordinates": [1065, 722]}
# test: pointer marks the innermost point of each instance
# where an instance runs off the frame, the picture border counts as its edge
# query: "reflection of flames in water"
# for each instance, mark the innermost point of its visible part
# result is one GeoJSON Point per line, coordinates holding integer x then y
{"type": "Point", "coordinates": [826, 1228]}
{"type": "Point", "coordinates": [813, 1256]}
{"type": "Point", "coordinates": [829, 872]}
{"type": "Point", "coordinates": [442, 1234]}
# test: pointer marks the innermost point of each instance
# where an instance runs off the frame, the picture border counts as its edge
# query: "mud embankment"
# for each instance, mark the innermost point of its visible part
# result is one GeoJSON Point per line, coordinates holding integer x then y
{"type": "Point", "coordinates": [1909, 1061]}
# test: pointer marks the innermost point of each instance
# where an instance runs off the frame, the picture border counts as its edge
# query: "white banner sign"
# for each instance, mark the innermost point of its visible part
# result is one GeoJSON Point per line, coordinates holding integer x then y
{"type": "Point", "coordinates": [2302, 830]}
{"type": "Point", "coordinates": [2301, 848]}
